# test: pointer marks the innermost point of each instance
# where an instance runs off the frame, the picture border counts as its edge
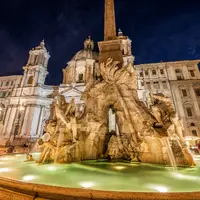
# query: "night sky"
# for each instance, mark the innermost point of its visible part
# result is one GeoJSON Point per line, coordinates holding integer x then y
{"type": "Point", "coordinates": [160, 30]}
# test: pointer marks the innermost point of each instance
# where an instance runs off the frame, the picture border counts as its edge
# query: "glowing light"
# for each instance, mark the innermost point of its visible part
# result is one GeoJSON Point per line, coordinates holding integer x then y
{"type": "Point", "coordinates": [119, 167]}
{"type": "Point", "coordinates": [51, 168]}
{"type": "Point", "coordinates": [29, 178]}
{"type": "Point", "coordinates": [3, 158]}
{"type": "Point", "coordinates": [18, 155]}
{"type": "Point", "coordinates": [4, 169]}
{"type": "Point", "coordinates": [87, 184]}
{"type": "Point", "coordinates": [187, 142]}
{"type": "Point", "coordinates": [161, 189]}
{"type": "Point", "coordinates": [187, 177]}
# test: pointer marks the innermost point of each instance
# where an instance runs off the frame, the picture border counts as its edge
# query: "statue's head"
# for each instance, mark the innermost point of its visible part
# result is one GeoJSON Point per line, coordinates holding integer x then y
{"type": "Point", "coordinates": [50, 126]}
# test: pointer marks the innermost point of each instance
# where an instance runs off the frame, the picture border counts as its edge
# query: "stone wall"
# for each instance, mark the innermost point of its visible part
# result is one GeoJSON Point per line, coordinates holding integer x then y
{"type": "Point", "coordinates": [14, 190]}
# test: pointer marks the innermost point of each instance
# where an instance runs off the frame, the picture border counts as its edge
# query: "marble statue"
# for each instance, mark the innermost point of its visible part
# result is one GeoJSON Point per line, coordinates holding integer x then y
{"type": "Point", "coordinates": [140, 134]}
{"type": "Point", "coordinates": [163, 110]}
{"type": "Point", "coordinates": [89, 44]}
{"type": "Point", "coordinates": [29, 157]}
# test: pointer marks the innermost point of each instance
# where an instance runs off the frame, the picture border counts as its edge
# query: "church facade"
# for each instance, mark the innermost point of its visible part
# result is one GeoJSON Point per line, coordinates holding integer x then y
{"type": "Point", "coordinates": [25, 100]}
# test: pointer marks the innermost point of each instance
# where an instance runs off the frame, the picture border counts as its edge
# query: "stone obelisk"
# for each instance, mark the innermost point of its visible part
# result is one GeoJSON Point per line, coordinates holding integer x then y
{"type": "Point", "coordinates": [109, 20]}
{"type": "Point", "coordinates": [111, 46]}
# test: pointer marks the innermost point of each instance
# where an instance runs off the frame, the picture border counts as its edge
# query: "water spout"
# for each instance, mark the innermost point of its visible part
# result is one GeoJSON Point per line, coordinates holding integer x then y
{"type": "Point", "coordinates": [170, 153]}
{"type": "Point", "coordinates": [57, 147]}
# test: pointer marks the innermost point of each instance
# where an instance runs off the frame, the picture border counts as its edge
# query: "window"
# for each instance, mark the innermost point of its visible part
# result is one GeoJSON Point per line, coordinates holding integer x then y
{"type": "Point", "coordinates": [189, 112]}
{"type": "Point", "coordinates": [80, 77]}
{"type": "Point", "coordinates": [184, 92]}
{"type": "Point", "coordinates": [146, 73]}
{"type": "Point", "coordinates": [7, 83]}
{"type": "Point", "coordinates": [179, 78]}
{"type": "Point", "coordinates": [30, 80]}
{"type": "Point", "coordinates": [142, 83]}
{"type": "Point", "coordinates": [36, 58]}
{"type": "Point", "coordinates": [192, 73]}
{"type": "Point", "coordinates": [194, 132]}
{"type": "Point", "coordinates": [156, 85]}
{"type": "Point", "coordinates": [148, 85]}
{"type": "Point", "coordinates": [179, 74]}
{"type": "Point", "coordinates": [4, 94]}
{"type": "Point", "coordinates": [177, 71]}
{"type": "Point", "coordinates": [164, 83]}
{"type": "Point", "coordinates": [192, 124]}
{"type": "Point", "coordinates": [153, 72]}
{"type": "Point", "coordinates": [161, 71]}
{"type": "Point", "coordinates": [141, 74]}
{"type": "Point", "coordinates": [197, 91]}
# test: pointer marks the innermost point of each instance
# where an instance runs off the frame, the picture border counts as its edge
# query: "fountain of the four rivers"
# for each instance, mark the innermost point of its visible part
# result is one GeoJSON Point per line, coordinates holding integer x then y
{"type": "Point", "coordinates": [145, 158]}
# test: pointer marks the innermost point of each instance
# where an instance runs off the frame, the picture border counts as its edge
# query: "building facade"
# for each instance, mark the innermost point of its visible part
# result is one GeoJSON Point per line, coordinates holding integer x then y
{"type": "Point", "coordinates": [25, 101]}
{"type": "Point", "coordinates": [181, 82]}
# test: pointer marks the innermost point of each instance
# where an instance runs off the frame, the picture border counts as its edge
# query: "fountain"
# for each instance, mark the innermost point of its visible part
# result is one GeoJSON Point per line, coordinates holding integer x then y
{"type": "Point", "coordinates": [77, 137]}
{"type": "Point", "coordinates": [130, 161]}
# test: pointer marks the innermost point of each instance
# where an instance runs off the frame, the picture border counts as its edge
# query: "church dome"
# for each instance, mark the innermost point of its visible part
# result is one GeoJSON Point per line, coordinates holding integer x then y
{"type": "Point", "coordinates": [85, 54]}
{"type": "Point", "coordinates": [88, 51]}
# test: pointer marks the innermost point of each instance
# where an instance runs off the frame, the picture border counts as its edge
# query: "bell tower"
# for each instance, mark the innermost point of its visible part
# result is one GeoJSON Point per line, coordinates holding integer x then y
{"type": "Point", "coordinates": [111, 46]}
{"type": "Point", "coordinates": [35, 71]}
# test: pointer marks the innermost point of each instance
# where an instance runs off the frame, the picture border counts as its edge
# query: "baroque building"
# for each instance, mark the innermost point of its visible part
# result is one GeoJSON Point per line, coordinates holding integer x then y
{"type": "Point", "coordinates": [181, 82]}
{"type": "Point", "coordinates": [25, 100]}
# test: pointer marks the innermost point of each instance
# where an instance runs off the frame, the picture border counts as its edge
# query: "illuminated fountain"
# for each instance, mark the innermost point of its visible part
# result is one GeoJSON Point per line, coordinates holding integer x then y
{"type": "Point", "coordinates": [142, 135]}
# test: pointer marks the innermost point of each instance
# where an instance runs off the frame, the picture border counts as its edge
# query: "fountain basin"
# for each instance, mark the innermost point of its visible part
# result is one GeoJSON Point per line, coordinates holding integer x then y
{"type": "Point", "coordinates": [95, 180]}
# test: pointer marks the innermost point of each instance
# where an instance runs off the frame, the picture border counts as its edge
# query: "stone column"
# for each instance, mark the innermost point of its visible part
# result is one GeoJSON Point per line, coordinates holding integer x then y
{"type": "Point", "coordinates": [40, 122]}
{"type": "Point", "coordinates": [35, 115]}
{"type": "Point", "coordinates": [11, 120]}
{"type": "Point", "coordinates": [6, 121]}
{"type": "Point", "coordinates": [26, 122]}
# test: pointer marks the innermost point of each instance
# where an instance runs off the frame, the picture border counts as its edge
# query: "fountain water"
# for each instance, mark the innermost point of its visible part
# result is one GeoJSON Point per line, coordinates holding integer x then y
{"type": "Point", "coordinates": [58, 145]}
{"type": "Point", "coordinates": [170, 153]}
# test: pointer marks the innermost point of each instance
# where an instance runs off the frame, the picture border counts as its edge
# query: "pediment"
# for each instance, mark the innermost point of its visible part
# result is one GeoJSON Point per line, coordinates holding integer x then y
{"type": "Point", "coordinates": [72, 92]}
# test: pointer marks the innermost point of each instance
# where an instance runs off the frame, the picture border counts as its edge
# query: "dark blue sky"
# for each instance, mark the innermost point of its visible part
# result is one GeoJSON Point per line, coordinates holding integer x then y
{"type": "Point", "coordinates": [160, 30]}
